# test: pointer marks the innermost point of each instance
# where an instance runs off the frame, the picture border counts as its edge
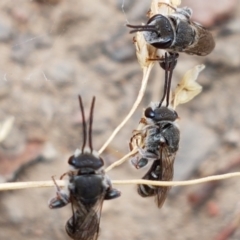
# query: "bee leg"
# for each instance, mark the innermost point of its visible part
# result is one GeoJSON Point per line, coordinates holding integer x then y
{"type": "Point", "coordinates": [172, 58]}
{"type": "Point", "coordinates": [61, 200]}
{"type": "Point", "coordinates": [62, 176]}
{"type": "Point", "coordinates": [135, 161]}
{"type": "Point", "coordinates": [147, 154]}
{"type": "Point", "coordinates": [141, 163]}
{"type": "Point", "coordinates": [112, 193]}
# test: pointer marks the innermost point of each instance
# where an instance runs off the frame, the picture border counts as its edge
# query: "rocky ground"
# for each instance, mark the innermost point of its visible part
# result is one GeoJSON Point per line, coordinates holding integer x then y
{"type": "Point", "coordinates": [51, 51]}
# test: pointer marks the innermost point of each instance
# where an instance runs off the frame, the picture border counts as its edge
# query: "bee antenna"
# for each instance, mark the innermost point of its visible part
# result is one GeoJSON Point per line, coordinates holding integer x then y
{"type": "Point", "coordinates": [171, 67]}
{"type": "Point", "coordinates": [90, 125]}
{"type": "Point", "coordinates": [166, 80]}
{"type": "Point", "coordinates": [83, 123]}
{"type": "Point", "coordinates": [142, 28]}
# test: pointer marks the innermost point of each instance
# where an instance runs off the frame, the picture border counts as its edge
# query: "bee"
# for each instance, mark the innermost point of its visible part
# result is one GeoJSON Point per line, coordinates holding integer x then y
{"type": "Point", "coordinates": [176, 32]}
{"type": "Point", "coordinates": [157, 138]}
{"type": "Point", "coordinates": [88, 187]}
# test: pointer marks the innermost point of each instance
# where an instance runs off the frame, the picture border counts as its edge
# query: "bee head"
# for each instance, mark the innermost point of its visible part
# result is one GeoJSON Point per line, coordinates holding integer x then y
{"type": "Point", "coordinates": [161, 114]}
{"type": "Point", "coordinates": [162, 34]}
{"type": "Point", "coordinates": [86, 160]}
{"type": "Point", "coordinates": [158, 31]}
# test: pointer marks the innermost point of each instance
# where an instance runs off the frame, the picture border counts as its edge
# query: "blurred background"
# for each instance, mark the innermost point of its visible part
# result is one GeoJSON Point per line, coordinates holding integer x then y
{"type": "Point", "coordinates": [53, 50]}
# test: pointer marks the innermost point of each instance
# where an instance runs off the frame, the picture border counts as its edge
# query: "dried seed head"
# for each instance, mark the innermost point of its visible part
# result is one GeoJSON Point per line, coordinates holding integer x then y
{"type": "Point", "coordinates": [144, 51]}
{"type": "Point", "coordinates": [164, 7]}
{"type": "Point", "coordinates": [187, 88]}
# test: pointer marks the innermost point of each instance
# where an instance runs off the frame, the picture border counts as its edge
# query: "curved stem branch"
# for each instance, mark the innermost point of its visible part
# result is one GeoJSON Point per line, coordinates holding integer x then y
{"type": "Point", "coordinates": [121, 161]}
{"type": "Point", "coordinates": [141, 92]}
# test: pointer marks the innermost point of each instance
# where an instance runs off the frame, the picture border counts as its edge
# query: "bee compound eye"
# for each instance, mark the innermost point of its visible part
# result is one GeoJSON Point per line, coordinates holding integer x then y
{"type": "Point", "coordinates": [70, 160]}
{"type": "Point", "coordinates": [175, 115]}
{"type": "Point", "coordinates": [149, 113]}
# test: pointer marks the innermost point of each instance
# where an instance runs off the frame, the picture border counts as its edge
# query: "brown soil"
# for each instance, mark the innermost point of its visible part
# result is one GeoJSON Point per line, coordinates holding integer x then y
{"type": "Point", "coordinates": [55, 50]}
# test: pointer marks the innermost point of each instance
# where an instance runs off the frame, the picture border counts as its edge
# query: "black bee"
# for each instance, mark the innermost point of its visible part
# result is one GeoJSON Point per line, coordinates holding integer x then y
{"type": "Point", "coordinates": [161, 145]}
{"type": "Point", "coordinates": [157, 139]}
{"type": "Point", "coordinates": [176, 32]}
{"type": "Point", "coordinates": [88, 187]}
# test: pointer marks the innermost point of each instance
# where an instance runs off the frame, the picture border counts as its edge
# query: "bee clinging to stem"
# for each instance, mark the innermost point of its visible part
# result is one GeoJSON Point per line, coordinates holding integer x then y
{"type": "Point", "coordinates": [176, 32]}
{"type": "Point", "coordinates": [88, 187]}
{"type": "Point", "coordinates": [157, 138]}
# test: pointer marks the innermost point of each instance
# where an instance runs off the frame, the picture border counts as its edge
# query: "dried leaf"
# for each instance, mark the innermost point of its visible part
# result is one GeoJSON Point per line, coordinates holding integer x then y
{"type": "Point", "coordinates": [188, 88]}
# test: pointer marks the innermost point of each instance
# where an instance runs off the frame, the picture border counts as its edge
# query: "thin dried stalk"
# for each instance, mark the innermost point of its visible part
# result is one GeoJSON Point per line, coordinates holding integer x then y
{"type": "Point", "coordinates": [5, 128]}
{"type": "Point", "coordinates": [178, 183]}
{"type": "Point", "coordinates": [37, 184]}
{"type": "Point", "coordinates": [62, 183]}
{"type": "Point", "coordinates": [121, 161]}
{"type": "Point", "coordinates": [134, 107]}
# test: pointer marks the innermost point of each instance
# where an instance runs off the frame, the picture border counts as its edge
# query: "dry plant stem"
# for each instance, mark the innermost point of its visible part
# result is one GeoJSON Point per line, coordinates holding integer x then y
{"type": "Point", "coordinates": [178, 183]}
{"type": "Point", "coordinates": [121, 161]}
{"type": "Point", "coordinates": [37, 184]}
{"type": "Point", "coordinates": [5, 128]}
{"type": "Point", "coordinates": [146, 72]}
{"type": "Point", "coordinates": [62, 183]}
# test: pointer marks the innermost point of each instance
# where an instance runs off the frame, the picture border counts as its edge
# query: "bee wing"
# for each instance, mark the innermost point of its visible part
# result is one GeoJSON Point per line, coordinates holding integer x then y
{"type": "Point", "coordinates": [84, 225]}
{"type": "Point", "coordinates": [205, 42]}
{"type": "Point", "coordinates": [166, 162]}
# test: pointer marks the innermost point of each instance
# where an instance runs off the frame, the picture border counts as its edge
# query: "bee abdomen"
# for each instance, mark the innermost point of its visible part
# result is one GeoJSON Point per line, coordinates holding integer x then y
{"type": "Point", "coordinates": [146, 190]}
